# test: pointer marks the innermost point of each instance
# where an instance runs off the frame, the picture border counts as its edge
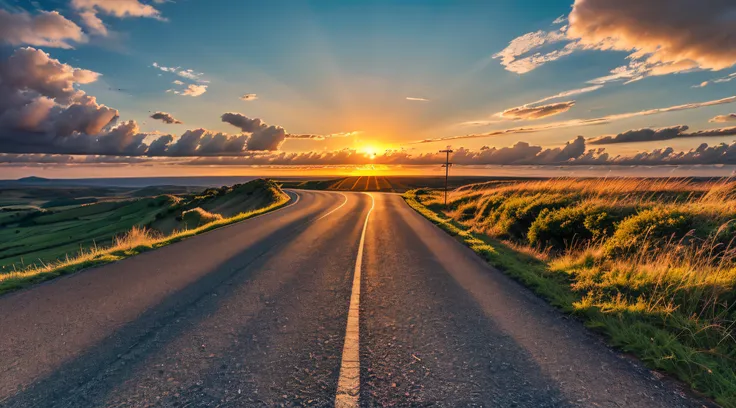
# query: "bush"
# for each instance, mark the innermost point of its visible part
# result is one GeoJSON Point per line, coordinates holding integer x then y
{"type": "Point", "coordinates": [515, 215]}
{"type": "Point", "coordinates": [648, 230]}
{"type": "Point", "coordinates": [559, 229]}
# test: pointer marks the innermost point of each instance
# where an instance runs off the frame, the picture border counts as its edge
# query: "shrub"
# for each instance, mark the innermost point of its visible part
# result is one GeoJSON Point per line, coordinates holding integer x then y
{"type": "Point", "coordinates": [559, 229]}
{"type": "Point", "coordinates": [648, 230]}
{"type": "Point", "coordinates": [515, 215]}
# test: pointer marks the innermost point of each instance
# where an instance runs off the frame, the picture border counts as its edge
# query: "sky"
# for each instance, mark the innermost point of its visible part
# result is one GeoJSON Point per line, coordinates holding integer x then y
{"type": "Point", "coordinates": [135, 87]}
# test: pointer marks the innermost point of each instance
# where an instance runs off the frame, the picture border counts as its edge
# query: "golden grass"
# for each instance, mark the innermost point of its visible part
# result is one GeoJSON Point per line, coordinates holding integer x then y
{"type": "Point", "coordinates": [135, 241]}
{"type": "Point", "coordinates": [659, 281]}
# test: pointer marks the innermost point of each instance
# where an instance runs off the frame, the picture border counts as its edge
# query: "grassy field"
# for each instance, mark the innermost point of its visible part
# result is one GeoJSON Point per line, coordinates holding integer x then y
{"type": "Point", "coordinates": [39, 244]}
{"type": "Point", "coordinates": [649, 263]}
{"type": "Point", "coordinates": [386, 184]}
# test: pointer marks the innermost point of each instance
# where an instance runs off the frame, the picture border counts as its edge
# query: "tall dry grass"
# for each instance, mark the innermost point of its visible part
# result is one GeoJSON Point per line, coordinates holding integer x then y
{"type": "Point", "coordinates": [652, 262]}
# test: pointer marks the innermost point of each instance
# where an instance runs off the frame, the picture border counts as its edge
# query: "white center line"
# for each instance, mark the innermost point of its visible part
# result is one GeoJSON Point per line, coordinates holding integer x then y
{"type": "Point", "coordinates": [348, 385]}
{"type": "Point", "coordinates": [340, 206]}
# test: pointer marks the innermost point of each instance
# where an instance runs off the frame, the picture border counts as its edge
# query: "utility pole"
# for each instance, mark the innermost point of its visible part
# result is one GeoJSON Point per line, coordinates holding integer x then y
{"type": "Point", "coordinates": [447, 169]}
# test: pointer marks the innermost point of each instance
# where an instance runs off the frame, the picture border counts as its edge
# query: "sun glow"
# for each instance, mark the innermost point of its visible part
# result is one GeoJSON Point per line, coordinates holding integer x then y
{"type": "Point", "coordinates": [370, 151]}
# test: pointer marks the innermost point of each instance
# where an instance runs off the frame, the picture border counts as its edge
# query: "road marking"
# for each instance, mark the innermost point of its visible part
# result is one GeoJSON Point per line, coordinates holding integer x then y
{"type": "Point", "coordinates": [340, 206]}
{"type": "Point", "coordinates": [348, 385]}
{"type": "Point", "coordinates": [356, 183]}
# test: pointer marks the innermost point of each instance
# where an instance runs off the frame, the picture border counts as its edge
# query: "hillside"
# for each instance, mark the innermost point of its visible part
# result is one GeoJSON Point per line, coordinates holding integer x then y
{"type": "Point", "coordinates": [37, 236]}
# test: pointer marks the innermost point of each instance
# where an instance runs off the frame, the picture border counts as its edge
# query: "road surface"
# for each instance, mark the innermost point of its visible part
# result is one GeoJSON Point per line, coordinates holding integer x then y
{"type": "Point", "coordinates": [348, 299]}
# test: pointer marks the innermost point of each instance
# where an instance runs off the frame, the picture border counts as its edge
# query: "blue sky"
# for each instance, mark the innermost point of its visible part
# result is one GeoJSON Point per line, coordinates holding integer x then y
{"type": "Point", "coordinates": [328, 67]}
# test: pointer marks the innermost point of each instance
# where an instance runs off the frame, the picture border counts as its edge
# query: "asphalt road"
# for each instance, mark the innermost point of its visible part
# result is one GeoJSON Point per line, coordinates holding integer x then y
{"type": "Point", "coordinates": [259, 314]}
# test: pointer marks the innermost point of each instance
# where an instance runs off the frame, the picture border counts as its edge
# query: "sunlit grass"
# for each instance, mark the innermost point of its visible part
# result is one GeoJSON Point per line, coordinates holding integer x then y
{"type": "Point", "coordinates": [135, 241]}
{"type": "Point", "coordinates": [650, 263]}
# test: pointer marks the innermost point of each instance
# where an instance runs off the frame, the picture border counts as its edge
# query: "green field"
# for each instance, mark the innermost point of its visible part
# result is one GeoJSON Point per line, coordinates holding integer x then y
{"type": "Point", "coordinates": [35, 233]}
{"type": "Point", "coordinates": [649, 263]}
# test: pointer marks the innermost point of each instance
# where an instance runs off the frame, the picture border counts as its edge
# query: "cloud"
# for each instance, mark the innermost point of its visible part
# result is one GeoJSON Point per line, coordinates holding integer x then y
{"type": "Point", "coordinates": [575, 152]}
{"type": "Point", "coordinates": [40, 108]}
{"type": "Point", "coordinates": [731, 117]}
{"type": "Point", "coordinates": [194, 148]}
{"type": "Point", "coordinates": [262, 136]}
{"type": "Point", "coordinates": [522, 55]}
{"type": "Point", "coordinates": [9, 159]}
{"type": "Point", "coordinates": [43, 112]}
{"type": "Point", "coordinates": [411, 98]}
{"type": "Point", "coordinates": [642, 135]}
{"type": "Point", "coordinates": [728, 78]}
{"type": "Point", "coordinates": [190, 74]}
{"type": "Point", "coordinates": [163, 68]}
{"type": "Point", "coordinates": [117, 8]}
{"type": "Point", "coordinates": [192, 90]}
{"type": "Point", "coordinates": [537, 112]}
{"type": "Point", "coordinates": [166, 118]}
{"type": "Point", "coordinates": [580, 122]}
{"type": "Point", "coordinates": [670, 39]}
{"type": "Point", "coordinates": [94, 24]}
{"type": "Point", "coordinates": [560, 20]}
{"type": "Point", "coordinates": [46, 29]}
{"type": "Point", "coordinates": [567, 94]}
{"type": "Point", "coordinates": [324, 137]}
{"type": "Point", "coordinates": [89, 9]}
{"type": "Point", "coordinates": [730, 131]}
{"type": "Point", "coordinates": [249, 97]}
{"type": "Point", "coordinates": [661, 39]}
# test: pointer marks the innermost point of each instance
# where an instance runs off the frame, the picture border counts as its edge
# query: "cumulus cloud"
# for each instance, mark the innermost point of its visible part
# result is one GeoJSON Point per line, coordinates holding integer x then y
{"type": "Point", "coordinates": [262, 136]}
{"type": "Point", "coordinates": [528, 112]}
{"type": "Point", "coordinates": [118, 8]}
{"type": "Point", "coordinates": [89, 9]}
{"type": "Point", "coordinates": [731, 117]}
{"type": "Point", "coordinates": [574, 152]}
{"type": "Point", "coordinates": [198, 142]}
{"type": "Point", "coordinates": [43, 112]}
{"type": "Point", "coordinates": [670, 39]}
{"type": "Point", "coordinates": [192, 90]}
{"type": "Point", "coordinates": [47, 29]}
{"type": "Point", "coordinates": [94, 24]}
{"type": "Point", "coordinates": [40, 108]}
{"type": "Point", "coordinates": [249, 97]}
{"type": "Point", "coordinates": [660, 38]}
{"type": "Point", "coordinates": [415, 99]}
{"type": "Point", "coordinates": [166, 118]}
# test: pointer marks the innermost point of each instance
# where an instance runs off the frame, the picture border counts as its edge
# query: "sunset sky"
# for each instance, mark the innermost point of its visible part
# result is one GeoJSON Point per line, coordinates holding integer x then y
{"type": "Point", "coordinates": [128, 87]}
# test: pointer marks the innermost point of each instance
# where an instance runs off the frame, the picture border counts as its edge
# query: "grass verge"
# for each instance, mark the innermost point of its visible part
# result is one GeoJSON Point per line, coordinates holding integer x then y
{"type": "Point", "coordinates": [136, 241]}
{"type": "Point", "coordinates": [633, 330]}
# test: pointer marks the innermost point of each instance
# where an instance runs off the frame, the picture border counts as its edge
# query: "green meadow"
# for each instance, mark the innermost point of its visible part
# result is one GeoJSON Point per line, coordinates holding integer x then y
{"type": "Point", "coordinates": [35, 236]}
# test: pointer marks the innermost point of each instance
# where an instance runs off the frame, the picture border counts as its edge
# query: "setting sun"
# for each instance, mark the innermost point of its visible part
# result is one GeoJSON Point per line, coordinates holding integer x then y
{"type": "Point", "coordinates": [370, 151]}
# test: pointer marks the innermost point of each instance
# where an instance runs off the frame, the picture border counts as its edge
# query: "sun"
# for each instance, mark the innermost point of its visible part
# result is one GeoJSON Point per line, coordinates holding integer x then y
{"type": "Point", "coordinates": [370, 151]}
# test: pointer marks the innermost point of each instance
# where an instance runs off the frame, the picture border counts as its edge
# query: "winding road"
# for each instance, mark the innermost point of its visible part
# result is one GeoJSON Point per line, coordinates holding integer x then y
{"type": "Point", "coordinates": [347, 299]}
